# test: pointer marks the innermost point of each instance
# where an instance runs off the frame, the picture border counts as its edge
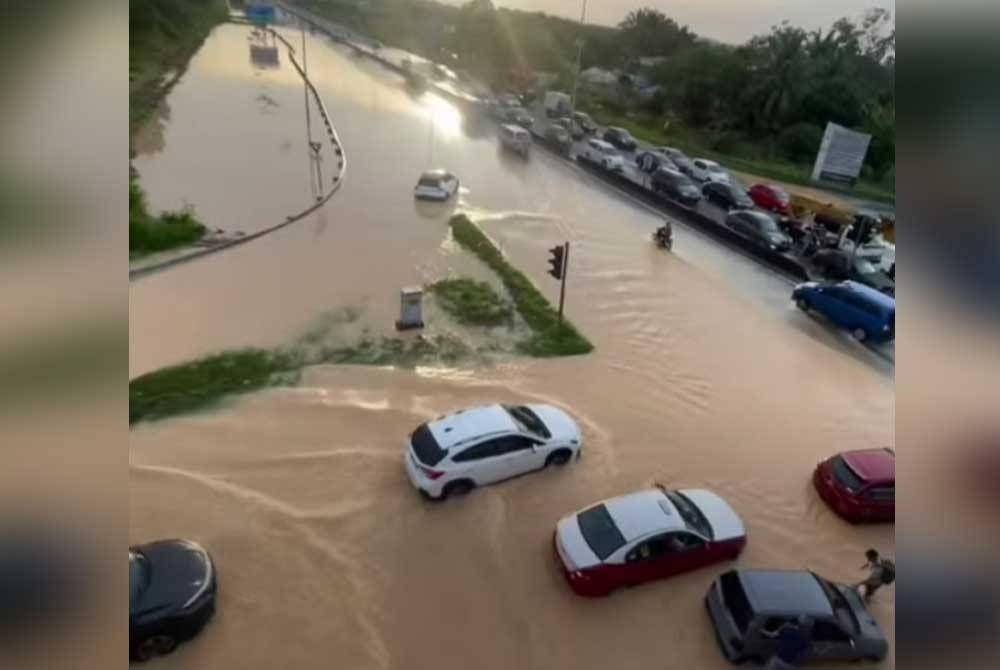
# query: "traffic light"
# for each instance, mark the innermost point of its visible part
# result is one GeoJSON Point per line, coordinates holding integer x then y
{"type": "Point", "coordinates": [556, 261]}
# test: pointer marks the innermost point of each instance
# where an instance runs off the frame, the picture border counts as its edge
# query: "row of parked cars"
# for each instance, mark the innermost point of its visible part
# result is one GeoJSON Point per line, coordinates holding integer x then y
{"type": "Point", "coordinates": [659, 532]}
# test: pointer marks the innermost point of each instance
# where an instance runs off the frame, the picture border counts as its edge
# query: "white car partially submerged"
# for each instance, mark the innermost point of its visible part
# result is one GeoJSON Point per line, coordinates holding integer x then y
{"type": "Point", "coordinates": [457, 452]}
{"type": "Point", "coordinates": [436, 185]}
{"type": "Point", "coordinates": [703, 169]}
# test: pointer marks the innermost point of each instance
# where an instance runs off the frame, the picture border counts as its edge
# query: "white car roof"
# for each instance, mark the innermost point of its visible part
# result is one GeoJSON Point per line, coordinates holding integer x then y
{"type": "Point", "coordinates": [644, 512]}
{"type": "Point", "coordinates": [601, 144]}
{"type": "Point", "coordinates": [436, 174]}
{"type": "Point", "coordinates": [468, 424]}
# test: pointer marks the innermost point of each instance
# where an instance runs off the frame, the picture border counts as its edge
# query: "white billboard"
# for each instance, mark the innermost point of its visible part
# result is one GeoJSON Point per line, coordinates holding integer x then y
{"type": "Point", "coordinates": [841, 154]}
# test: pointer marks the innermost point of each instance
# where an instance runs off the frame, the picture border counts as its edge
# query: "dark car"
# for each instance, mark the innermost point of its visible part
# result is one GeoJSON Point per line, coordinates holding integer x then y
{"type": "Point", "coordinates": [728, 196]}
{"type": "Point", "coordinates": [521, 117]}
{"type": "Point", "coordinates": [838, 264]}
{"type": "Point", "coordinates": [652, 160]}
{"type": "Point", "coordinates": [759, 228]}
{"type": "Point", "coordinates": [745, 604]}
{"type": "Point", "coordinates": [771, 198]}
{"type": "Point", "coordinates": [172, 587]}
{"type": "Point", "coordinates": [859, 485]}
{"type": "Point", "coordinates": [572, 127]}
{"type": "Point", "coordinates": [868, 314]}
{"type": "Point", "coordinates": [585, 122]}
{"type": "Point", "coordinates": [559, 136]}
{"type": "Point", "coordinates": [620, 139]}
{"type": "Point", "coordinates": [679, 158]}
{"type": "Point", "coordinates": [676, 186]}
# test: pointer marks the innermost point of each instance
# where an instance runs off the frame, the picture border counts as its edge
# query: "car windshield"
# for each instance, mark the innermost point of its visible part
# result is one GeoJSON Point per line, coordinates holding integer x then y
{"type": "Point", "coordinates": [527, 420]}
{"type": "Point", "coordinates": [767, 224]}
{"type": "Point", "coordinates": [843, 473]}
{"type": "Point", "coordinates": [841, 608]}
{"type": "Point", "coordinates": [138, 577]}
{"type": "Point", "coordinates": [426, 447]}
{"type": "Point", "coordinates": [599, 531]}
{"type": "Point", "coordinates": [692, 516]}
{"type": "Point", "coordinates": [429, 181]}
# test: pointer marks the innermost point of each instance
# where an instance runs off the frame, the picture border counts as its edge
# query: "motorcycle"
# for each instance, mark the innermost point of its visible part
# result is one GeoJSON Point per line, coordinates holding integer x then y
{"type": "Point", "coordinates": [664, 238]}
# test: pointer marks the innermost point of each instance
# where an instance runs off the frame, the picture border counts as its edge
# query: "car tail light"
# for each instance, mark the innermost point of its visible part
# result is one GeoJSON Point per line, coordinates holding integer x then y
{"type": "Point", "coordinates": [430, 474]}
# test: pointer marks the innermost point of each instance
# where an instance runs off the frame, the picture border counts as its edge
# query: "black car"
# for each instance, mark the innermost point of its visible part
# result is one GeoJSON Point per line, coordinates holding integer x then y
{"type": "Point", "coordinates": [172, 587]}
{"type": "Point", "coordinates": [652, 160]}
{"type": "Point", "coordinates": [679, 158]}
{"type": "Point", "coordinates": [584, 121]}
{"type": "Point", "coordinates": [675, 185]}
{"type": "Point", "coordinates": [759, 228]}
{"type": "Point", "coordinates": [620, 139]}
{"type": "Point", "coordinates": [838, 264]}
{"type": "Point", "coordinates": [728, 196]}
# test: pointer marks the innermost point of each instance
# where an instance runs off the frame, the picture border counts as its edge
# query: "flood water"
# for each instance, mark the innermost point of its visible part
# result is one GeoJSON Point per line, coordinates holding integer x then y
{"type": "Point", "coordinates": [704, 375]}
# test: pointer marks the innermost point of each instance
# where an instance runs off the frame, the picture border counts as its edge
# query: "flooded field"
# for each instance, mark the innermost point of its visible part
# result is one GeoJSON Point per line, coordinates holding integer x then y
{"type": "Point", "coordinates": [703, 375]}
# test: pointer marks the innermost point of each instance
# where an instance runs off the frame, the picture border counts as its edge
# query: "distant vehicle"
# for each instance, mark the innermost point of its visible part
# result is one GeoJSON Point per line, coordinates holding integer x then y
{"type": "Point", "coordinates": [172, 587]}
{"type": "Point", "coordinates": [436, 185]}
{"type": "Point", "coordinates": [728, 195]}
{"type": "Point", "coordinates": [519, 116]}
{"type": "Point", "coordinates": [703, 169]}
{"type": "Point", "coordinates": [585, 122]}
{"type": "Point", "coordinates": [652, 160]}
{"type": "Point", "coordinates": [557, 134]}
{"type": "Point", "coordinates": [557, 104]}
{"type": "Point", "coordinates": [743, 603]}
{"type": "Point", "coordinates": [679, 158]}
{"type": "Point", "coordinates": [841, 264]}
{"type": "Point", "coordinates": [868, 314]}
{"type": "Point", "coordinates": [603, 154]}
{"type": "Point", "coordinates": [675, 185]}
{"type": "Point", "coordinates": [474, 447]}
{"type": "Point", "coordinates": [771, 198]}
{"type": "Point", "coordinates": [516, 139]}
{"type": "Point", "coordinates": [759, 228]}
{"type": "Point", "coordinates": [571, 126]}
{"type": "Point", "coordinates": [620, 138]}
{"type": "Point", "coordinates": [646, 535]}
{"type": "Point", "coordinates": [859, 485]}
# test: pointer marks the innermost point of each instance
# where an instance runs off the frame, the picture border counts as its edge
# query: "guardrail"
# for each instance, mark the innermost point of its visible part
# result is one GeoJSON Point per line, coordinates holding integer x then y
{"type": "Point", "coordinates": [336, 181]}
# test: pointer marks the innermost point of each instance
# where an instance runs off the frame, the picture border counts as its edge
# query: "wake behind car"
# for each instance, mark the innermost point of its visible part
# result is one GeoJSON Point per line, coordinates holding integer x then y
{"type": "Point", "coordinates": [474, 447]}
{"type": "Point", "coordinates": [676, 186]}
{"type": "Point", "coordinates": [868, 314]}
{"type": "Point", "coordinates": [620, 138]}
{"type": "Point", "coordinates": [602, 154]}
{"type": "Point", "coordinates": [435, 185]}
{"type": "Point", "coordinates": [859, 485]}
{"type": "Point", "coordinates": [743, 604]}
{"type": "Point", "coordinates": [172, 587]}
{"type": "Point", "coordinates": [646, 535]}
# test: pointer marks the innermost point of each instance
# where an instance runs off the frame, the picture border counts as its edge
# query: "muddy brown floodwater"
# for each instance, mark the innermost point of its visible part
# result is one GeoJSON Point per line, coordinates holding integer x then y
{"type": "Point", "coordinates": [703, 375]}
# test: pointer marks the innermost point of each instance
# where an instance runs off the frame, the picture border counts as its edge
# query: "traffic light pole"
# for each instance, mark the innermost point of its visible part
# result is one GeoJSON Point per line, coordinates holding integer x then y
{"type": "Point", "coordinates": [562, 286]}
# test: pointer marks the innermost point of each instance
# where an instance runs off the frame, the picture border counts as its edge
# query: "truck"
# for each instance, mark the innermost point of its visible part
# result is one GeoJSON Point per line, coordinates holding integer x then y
{"type": "Point", "coordinates": [557, 104]}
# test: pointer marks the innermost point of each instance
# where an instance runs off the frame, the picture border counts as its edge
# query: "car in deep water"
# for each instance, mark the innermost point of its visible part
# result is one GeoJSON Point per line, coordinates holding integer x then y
{"type": "Point", "coordinates": [457, 452]}
{"type": "Point", "coordinates": [859, 485]}
{"type": "Point", "coordinates": [758, 228]}
{"type": "Point", "coordinates": [646, 535]}
{"type": "Point", "coordinates": [869, 315]}
{"type": "Point", "coordinates": [172, 589]}
{"type": "Point", "coordinates": [435, 185]}
{"type": "Point", "coordinates": [742, 603]}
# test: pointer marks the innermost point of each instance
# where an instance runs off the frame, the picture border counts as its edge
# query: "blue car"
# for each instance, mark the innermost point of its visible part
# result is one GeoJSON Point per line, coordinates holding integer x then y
{"type": "Point", "coordinates": [870, 315]}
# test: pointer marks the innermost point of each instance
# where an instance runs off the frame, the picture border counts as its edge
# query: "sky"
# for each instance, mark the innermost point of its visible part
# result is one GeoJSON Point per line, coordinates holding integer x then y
{"type": "Point", "coordinates": [731, 21]}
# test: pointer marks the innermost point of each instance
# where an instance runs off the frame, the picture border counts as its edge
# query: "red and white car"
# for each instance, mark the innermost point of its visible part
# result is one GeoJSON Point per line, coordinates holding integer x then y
{"type": "Point", "coordinates": [646, 535]}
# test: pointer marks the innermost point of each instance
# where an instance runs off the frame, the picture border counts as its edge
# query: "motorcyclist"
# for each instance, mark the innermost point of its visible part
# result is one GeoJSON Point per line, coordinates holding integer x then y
{"type": "Point", "coordinates": [664, 233]}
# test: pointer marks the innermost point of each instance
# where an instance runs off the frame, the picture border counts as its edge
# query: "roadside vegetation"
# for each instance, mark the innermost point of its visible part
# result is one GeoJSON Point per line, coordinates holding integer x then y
{"type": "Point", "coordinates": [472, 302]}
{"type": "Point", "coordinates": [550, 337]}
{"type": "Point", "coordinates": [148, 233]}
{"type": "Point", "coordinates": [760, 106]}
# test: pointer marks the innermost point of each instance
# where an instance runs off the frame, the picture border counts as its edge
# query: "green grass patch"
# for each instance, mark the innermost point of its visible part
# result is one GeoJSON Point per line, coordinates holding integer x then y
{"type": "Point", "coordinates": [148, 234]}
{"type": "Point", "coordinates": [472, 302]}
{"type": "Point", "coordinates": [650, 131]}
{"type": "Point", "coordinates": [550, 337]}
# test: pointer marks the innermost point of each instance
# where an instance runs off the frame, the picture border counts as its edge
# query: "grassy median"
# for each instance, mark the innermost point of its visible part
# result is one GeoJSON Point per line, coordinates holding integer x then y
{"type": "Point", "coordinates": [550, 337]}
{"type": "Point", "coordinates": [472, 302]}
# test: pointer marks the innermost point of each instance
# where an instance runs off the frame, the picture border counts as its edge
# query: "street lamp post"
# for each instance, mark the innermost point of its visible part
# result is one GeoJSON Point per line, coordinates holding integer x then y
{"type": "Point", "coordinates": [579, 56]}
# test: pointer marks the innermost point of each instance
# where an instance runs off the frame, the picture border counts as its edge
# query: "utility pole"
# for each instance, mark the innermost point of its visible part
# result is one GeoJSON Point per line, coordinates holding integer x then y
{"type": "Point", "coordinates": [579, 57]}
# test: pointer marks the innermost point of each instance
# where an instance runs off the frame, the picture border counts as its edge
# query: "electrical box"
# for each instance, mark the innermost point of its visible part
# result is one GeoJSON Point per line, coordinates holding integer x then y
{"type": "Point", "coordinates": [410, 308]}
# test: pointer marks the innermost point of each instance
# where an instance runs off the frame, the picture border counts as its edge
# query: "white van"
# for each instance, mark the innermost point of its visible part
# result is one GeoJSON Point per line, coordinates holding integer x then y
{"type": "Point", "coordinates": [515, 138]}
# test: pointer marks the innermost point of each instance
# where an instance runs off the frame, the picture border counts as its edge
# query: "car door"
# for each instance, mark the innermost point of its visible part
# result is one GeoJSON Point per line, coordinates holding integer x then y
{"type": "Point", "coordinates": [480, 461]}
{"type": "Point", "coordinates": [644, 561]}
{"type": "Point", "coordinates": [830, 642]}
{"type": "Point", "coordinates": [880, 501]}
{"type": "Point", "coordinates": [762, 638]}
{"type": "Point", "coordinates": [521, 454]}
{"type": "Point", "coordinates": [698, 171]}
{"type": "Point", "coordinates": [684, 551]}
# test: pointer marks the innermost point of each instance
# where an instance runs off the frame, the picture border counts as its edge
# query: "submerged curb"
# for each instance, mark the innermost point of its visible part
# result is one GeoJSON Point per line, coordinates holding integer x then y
{"type": "Point", "coordinates": [336, 181]}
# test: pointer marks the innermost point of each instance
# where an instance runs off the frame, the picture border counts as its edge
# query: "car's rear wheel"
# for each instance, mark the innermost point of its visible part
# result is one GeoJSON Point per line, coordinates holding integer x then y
{"type": "Point", "coordinates": [558, 457]}
{"type": "Point", "coordinates": [860, 334]}
{"type": "Point", "coordinates": [802, 304]}
{"type": "Point", "coordinates": [457, 488]}
{"type": "Point", "coordinates": [155, 645]}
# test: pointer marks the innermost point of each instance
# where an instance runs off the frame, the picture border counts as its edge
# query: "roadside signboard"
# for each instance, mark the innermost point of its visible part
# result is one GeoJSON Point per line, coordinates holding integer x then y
{"type": "Point", "coordinates": [841, 154]}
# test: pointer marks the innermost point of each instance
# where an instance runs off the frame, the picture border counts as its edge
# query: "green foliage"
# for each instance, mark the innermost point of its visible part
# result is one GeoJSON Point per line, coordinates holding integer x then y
{"type": "Point", "coordinates": [649, 32]}
{"type": "Point", "coordinates": [472, 302]}
{"type": "Point", "coordinates": [148, 234]}
{"type": "Point", "coordinates": [800, 142]}
{"type": "Point", "coordinates": [550, 337]}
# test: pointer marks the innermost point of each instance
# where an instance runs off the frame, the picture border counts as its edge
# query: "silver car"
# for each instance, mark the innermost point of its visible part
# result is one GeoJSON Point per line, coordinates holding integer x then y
{"type": "Point", "coordinates": [747, 607]}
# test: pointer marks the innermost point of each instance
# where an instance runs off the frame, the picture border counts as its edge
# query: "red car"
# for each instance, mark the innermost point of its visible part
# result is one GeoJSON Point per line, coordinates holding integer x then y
{"type": "Point", "coordinates": [859, 485]}
{"type": "Point", "coordinates": [646, 535]}
{"type": "Point", "coordinates": [770, 198]}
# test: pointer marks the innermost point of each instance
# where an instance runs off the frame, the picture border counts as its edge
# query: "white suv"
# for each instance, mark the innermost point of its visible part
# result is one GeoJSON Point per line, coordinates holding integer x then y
{"type": "Point", "coordinates": [703, 169]}
{"type": "Point", "coordinates": [603, 154]}
{"type": "Point", "coordinates": [472, 447]}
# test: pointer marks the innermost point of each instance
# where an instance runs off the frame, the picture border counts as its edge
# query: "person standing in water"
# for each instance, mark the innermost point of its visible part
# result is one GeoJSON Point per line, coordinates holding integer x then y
{"type": "Point", "coordinates": [883, 571]}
